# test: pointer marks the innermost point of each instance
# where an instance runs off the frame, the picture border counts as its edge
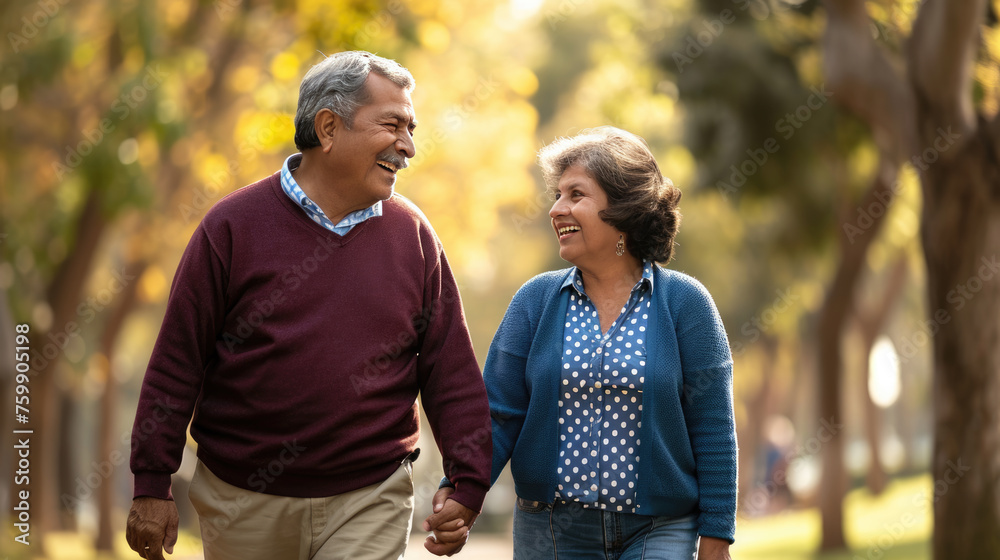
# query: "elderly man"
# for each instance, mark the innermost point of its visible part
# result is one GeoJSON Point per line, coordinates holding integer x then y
{"type": "Point", "coordinates": [307, 313]}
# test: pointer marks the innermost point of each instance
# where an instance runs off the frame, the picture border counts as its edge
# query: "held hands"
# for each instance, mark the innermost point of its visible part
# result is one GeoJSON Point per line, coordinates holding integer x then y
{"type": "Point", "coordinates": [152, 526]}
{"type": "Point", "coordinates": [713, 549]}
{"type": "Point", "coordinates": [451, 522]}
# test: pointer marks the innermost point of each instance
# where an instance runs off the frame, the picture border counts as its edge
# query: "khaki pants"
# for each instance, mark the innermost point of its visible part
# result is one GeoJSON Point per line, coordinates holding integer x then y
{"type": "Point", "coordinates": [369, 523]}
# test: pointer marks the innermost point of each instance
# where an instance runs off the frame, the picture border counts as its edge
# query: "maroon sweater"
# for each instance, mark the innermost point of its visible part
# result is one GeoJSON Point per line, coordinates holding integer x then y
{"type": "Point", "coordinates": [301, 354]}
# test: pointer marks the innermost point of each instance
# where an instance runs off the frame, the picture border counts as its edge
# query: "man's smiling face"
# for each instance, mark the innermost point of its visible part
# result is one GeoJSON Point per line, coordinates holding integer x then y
{"type": "Point", "coordinates": [379, 141]}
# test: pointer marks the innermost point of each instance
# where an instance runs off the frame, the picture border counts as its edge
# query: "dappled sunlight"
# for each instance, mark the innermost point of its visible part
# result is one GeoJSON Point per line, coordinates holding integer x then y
{"type": "Point", "coordinates": [123, 124]}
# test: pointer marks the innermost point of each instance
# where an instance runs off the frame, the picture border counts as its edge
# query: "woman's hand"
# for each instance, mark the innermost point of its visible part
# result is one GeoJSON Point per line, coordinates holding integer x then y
{"type": "Point", "coordinates": [451, 523]}
{"type": "Point", "coordinates": [713, 549]}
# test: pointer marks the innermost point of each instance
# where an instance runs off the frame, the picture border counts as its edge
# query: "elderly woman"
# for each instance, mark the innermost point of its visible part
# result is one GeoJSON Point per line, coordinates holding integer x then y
{"type": "Point", "coordinates": [610, 383]}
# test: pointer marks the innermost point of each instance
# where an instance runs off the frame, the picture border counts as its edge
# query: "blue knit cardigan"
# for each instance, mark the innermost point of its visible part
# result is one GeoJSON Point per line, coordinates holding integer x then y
{"type": "Point", "coordinates": [688, 435]}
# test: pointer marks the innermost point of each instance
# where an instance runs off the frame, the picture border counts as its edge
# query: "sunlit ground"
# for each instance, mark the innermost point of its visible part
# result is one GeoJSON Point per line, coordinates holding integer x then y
{"type": "Point", "coordinates": [894, 526]}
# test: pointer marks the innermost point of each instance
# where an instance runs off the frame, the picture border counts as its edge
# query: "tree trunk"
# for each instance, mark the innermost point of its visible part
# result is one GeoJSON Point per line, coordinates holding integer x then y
{"type": "Point", "coordinates": [832, 317]}
{"type": "Point", "coordinates": [871, 324]}
{"type": "Point", "coordinates": [755, 496]}
{"type": "Point", "coordinates": [69, 414]}
{"type": "Point", "coordinates": [7, 423]}
{"type": "Point", "coordinates": [63, 297]}
{"type": "Point", "coordinates": [747, 461]}
{"type": "Point", "coordinates": [834, 483]}
{"type": "Point", "coordinates": [928, 116]}
{"type": "Point", "coordinates": [875, 478]}
{"type": "Point", "coordinates": [107, 440]}
{"type": "Point", "coordinates": [64, 291]}
{"type": "Point", "coordinates": [106, 447]}
{"type": "Point", "coordinates": [961, 236]}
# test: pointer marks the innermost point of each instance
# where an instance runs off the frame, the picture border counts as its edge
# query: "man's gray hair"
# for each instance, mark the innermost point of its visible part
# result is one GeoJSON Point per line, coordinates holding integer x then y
{"type": "Point", "coordinates": [338, 83]}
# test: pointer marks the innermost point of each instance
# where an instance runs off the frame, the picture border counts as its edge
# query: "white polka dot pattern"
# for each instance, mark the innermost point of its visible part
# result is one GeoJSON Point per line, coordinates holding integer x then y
{"type": "Point", "coordinates": [600, 405]}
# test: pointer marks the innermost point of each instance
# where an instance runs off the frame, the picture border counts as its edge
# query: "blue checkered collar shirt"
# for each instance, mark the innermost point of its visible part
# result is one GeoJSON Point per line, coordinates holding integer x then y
{"type": "Point", "coordinates": [315, 213]}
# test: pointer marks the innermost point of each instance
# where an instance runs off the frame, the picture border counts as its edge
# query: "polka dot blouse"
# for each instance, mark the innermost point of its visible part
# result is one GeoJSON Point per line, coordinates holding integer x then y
{"type": "Point", "coordinates": [600, 399]}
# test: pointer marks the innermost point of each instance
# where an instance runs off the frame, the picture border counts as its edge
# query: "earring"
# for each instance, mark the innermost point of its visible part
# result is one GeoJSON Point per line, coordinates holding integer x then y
{"type": "Point", "coordinates": [620, 247]}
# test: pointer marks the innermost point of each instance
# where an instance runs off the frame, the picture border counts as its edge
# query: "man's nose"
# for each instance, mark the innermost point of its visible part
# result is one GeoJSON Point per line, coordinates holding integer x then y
{"type": "Point", "coordinates": [405, 146]}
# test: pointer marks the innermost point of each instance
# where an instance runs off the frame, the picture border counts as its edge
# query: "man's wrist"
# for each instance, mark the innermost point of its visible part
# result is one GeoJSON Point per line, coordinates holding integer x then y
{"type": "Point", "coordinates": [153, 485]}
{"type": "Point", "coordinates": [470, 495]}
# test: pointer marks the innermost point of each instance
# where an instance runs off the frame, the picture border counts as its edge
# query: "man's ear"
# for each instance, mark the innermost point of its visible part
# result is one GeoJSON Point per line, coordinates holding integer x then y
{"type": "Point", "coordinates": [328, 124]}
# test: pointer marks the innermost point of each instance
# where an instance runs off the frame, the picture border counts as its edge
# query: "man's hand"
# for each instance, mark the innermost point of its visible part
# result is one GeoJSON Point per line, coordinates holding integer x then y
{"type": "Point", "coordinates": [152, 527]}
{"type": "Point", "coordinates": [451, 522]}
{"type": "Point", "coordinates": [713, 549]}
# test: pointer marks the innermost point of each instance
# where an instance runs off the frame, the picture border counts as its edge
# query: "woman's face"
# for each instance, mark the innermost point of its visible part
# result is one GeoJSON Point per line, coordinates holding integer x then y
{"type": "Point", "coordinates": [584, 238]}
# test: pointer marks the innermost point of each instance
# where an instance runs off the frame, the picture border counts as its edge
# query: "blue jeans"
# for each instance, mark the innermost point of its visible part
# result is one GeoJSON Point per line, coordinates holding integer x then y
{"type": "Point", "coordinates": [571, 531]}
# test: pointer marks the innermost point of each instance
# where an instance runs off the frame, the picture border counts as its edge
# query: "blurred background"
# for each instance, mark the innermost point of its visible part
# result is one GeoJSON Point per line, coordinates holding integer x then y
{"type": "Point", "coordinates": [803, 135]}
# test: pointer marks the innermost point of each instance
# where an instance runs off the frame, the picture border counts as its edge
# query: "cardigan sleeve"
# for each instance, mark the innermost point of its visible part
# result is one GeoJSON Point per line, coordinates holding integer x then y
{"type": "Point", "coordinates": [506, 385]}
{"type": "Point", "coordinates": [707, 403]}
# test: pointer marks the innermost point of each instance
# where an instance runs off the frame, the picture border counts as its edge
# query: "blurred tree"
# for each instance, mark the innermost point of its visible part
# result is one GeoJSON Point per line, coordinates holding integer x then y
{"type": "Point", "coordinates": [135, 80]}
{"type": "Point", "coordinates": [933, 103]}
{"type": "Point", "coordinates": [167, 106]}
{"type": "Point", "coordinates": [871, 321]}
{"type": "Point", "coordinates": [759, 122]}
{"type": "Point", "coordinates": [833, 315]}
{"type": "Point", "coordinates": [737, 93]}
